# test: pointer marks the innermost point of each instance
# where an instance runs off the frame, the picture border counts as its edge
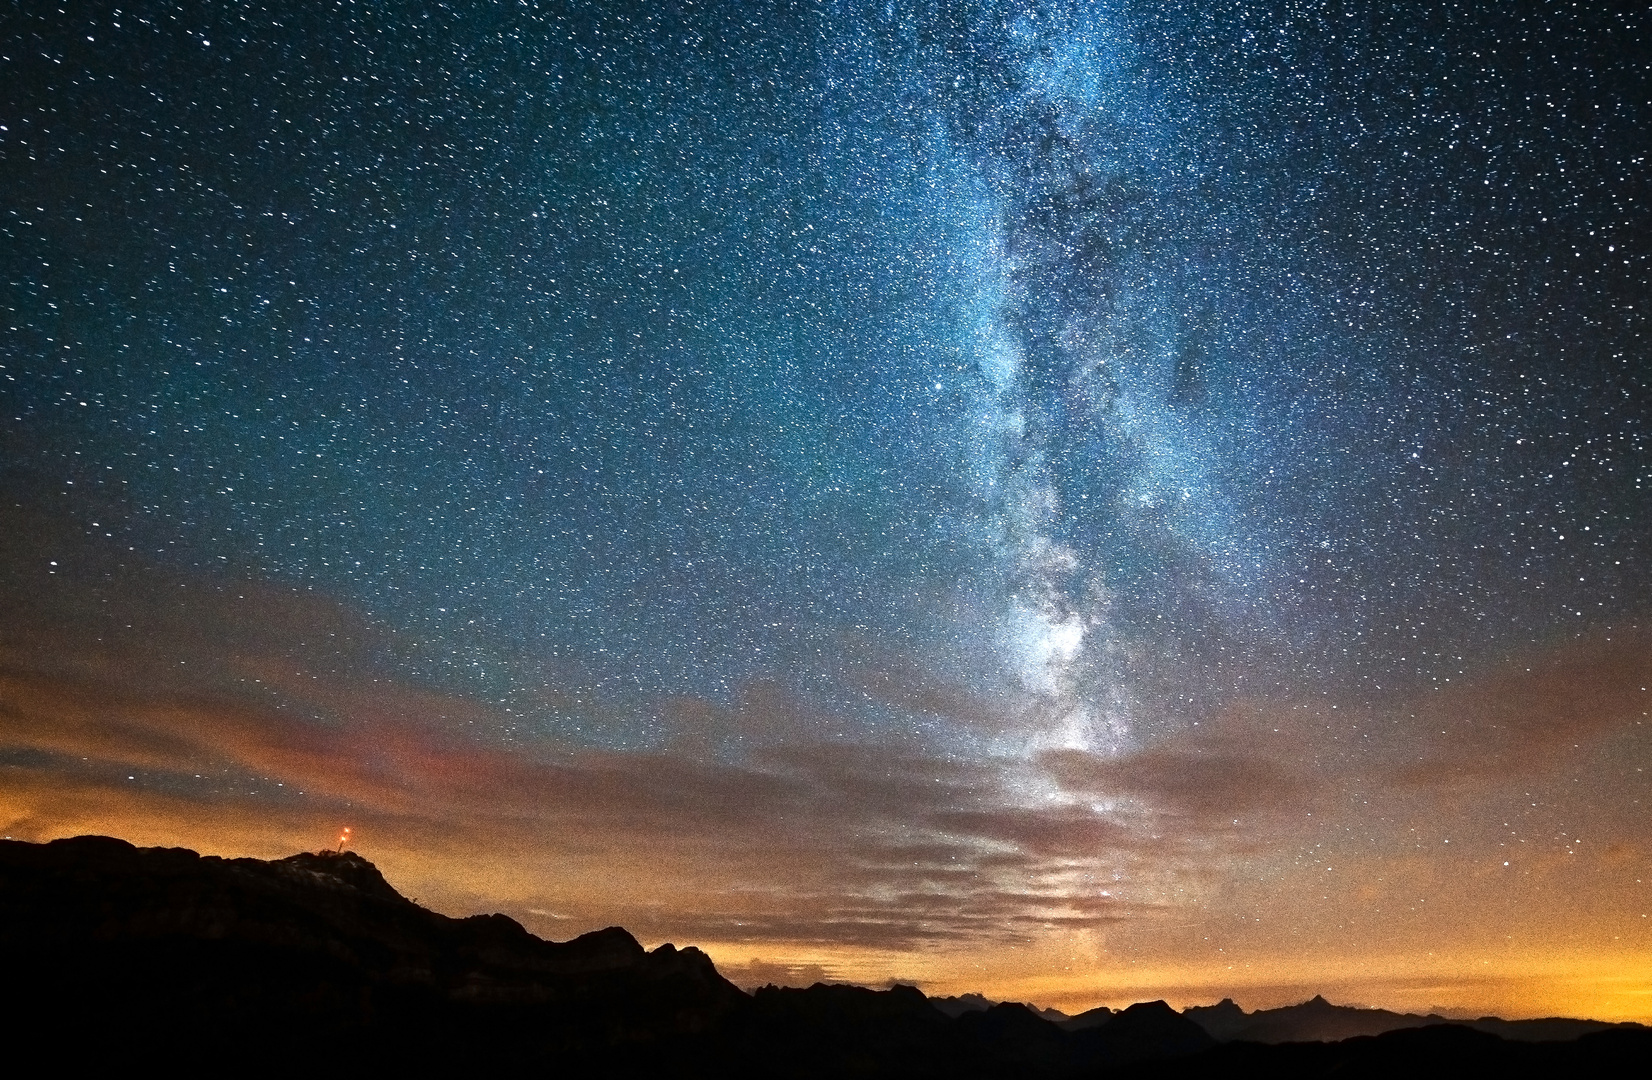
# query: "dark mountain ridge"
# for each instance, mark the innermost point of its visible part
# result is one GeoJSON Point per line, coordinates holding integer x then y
{"type": "Point", "coordinates": [164, 950]}
{"type": "Point", "coordinates": [1317, 1020]}
{"type": "Point", "coordinates": [116, 955]}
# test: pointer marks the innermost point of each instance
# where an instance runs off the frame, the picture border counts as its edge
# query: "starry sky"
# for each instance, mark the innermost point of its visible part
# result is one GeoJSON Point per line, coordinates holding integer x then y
{"type": "Point", "coordinates": [1076, 501]}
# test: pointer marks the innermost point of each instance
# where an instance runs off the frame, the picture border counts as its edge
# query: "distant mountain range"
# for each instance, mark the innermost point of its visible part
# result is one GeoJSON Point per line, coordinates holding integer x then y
{"type": "Point", "coordinates": [1315, 1020]}
{"type": "Point", "coordinates": [115, 956]}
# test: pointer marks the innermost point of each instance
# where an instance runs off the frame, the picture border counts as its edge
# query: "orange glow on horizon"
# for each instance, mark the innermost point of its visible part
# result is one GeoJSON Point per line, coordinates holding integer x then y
{"type": "Point", "coordinates": [1508, 879]}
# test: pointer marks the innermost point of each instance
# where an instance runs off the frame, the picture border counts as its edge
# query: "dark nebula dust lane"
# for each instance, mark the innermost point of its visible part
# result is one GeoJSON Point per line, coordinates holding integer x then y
{"type": "Point", "coordinates": [1018, 496]}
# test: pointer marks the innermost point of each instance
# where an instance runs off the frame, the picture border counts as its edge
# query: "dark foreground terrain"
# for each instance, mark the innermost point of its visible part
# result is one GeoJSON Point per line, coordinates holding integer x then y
{"type": "Point", "coordinates": [115, 956]}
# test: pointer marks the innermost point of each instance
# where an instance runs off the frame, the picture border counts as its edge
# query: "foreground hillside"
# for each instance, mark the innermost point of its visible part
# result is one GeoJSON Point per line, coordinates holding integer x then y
{"type": "Point", "coordinates": [116, 955]}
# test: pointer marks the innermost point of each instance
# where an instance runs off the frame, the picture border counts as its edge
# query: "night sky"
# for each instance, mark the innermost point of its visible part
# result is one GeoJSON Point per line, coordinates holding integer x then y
{"type": "Point", "coordinates": [1080, 502]}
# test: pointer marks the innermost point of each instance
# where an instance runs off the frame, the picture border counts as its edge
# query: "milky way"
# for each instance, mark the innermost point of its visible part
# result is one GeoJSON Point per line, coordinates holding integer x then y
{"type": "Point", "coordinates": [1022, 390]}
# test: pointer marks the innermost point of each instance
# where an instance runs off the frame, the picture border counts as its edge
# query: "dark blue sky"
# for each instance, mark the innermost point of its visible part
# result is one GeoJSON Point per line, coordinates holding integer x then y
{"type": "Point", "coordinates": [661, 347]}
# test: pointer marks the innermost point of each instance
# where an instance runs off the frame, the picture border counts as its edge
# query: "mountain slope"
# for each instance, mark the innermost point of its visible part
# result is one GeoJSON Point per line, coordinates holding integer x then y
{"type": "Point", "coordinates": [315, 949]}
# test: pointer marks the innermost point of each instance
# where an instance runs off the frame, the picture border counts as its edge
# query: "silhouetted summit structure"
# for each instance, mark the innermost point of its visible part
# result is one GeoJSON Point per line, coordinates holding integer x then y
{"type": "Point", "coordinates": [116, 957]}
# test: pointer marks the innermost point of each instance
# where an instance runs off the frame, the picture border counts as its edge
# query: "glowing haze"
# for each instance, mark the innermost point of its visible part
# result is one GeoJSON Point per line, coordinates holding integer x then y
{"type": "Point", "coordinates": [1080, 502]}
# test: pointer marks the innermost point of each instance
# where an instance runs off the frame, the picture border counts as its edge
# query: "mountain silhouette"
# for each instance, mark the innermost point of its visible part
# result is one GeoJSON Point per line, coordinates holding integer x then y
{"type": "Point", "coordinates": [1223, 1020]}
{"type": "Point", "coordinates": [1089, 1018]}
{"type": "Point", "coordinates": [121, 957]}
{"type": "Point", "coordinates": [162, 949]}
{"type": "Point", "coordinates": [963, 1003]}
{"type": "Point", "coordinates": [1149, 1030]}
{"type": "Point", "coordinates": [1317, 1020]}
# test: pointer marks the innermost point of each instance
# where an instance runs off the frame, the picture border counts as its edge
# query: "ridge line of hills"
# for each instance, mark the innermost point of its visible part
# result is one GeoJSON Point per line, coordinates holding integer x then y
{"type": "Point", "coordinates": [1314, 1020]}
{"type": "Point", "coordinates": [115, 954]}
